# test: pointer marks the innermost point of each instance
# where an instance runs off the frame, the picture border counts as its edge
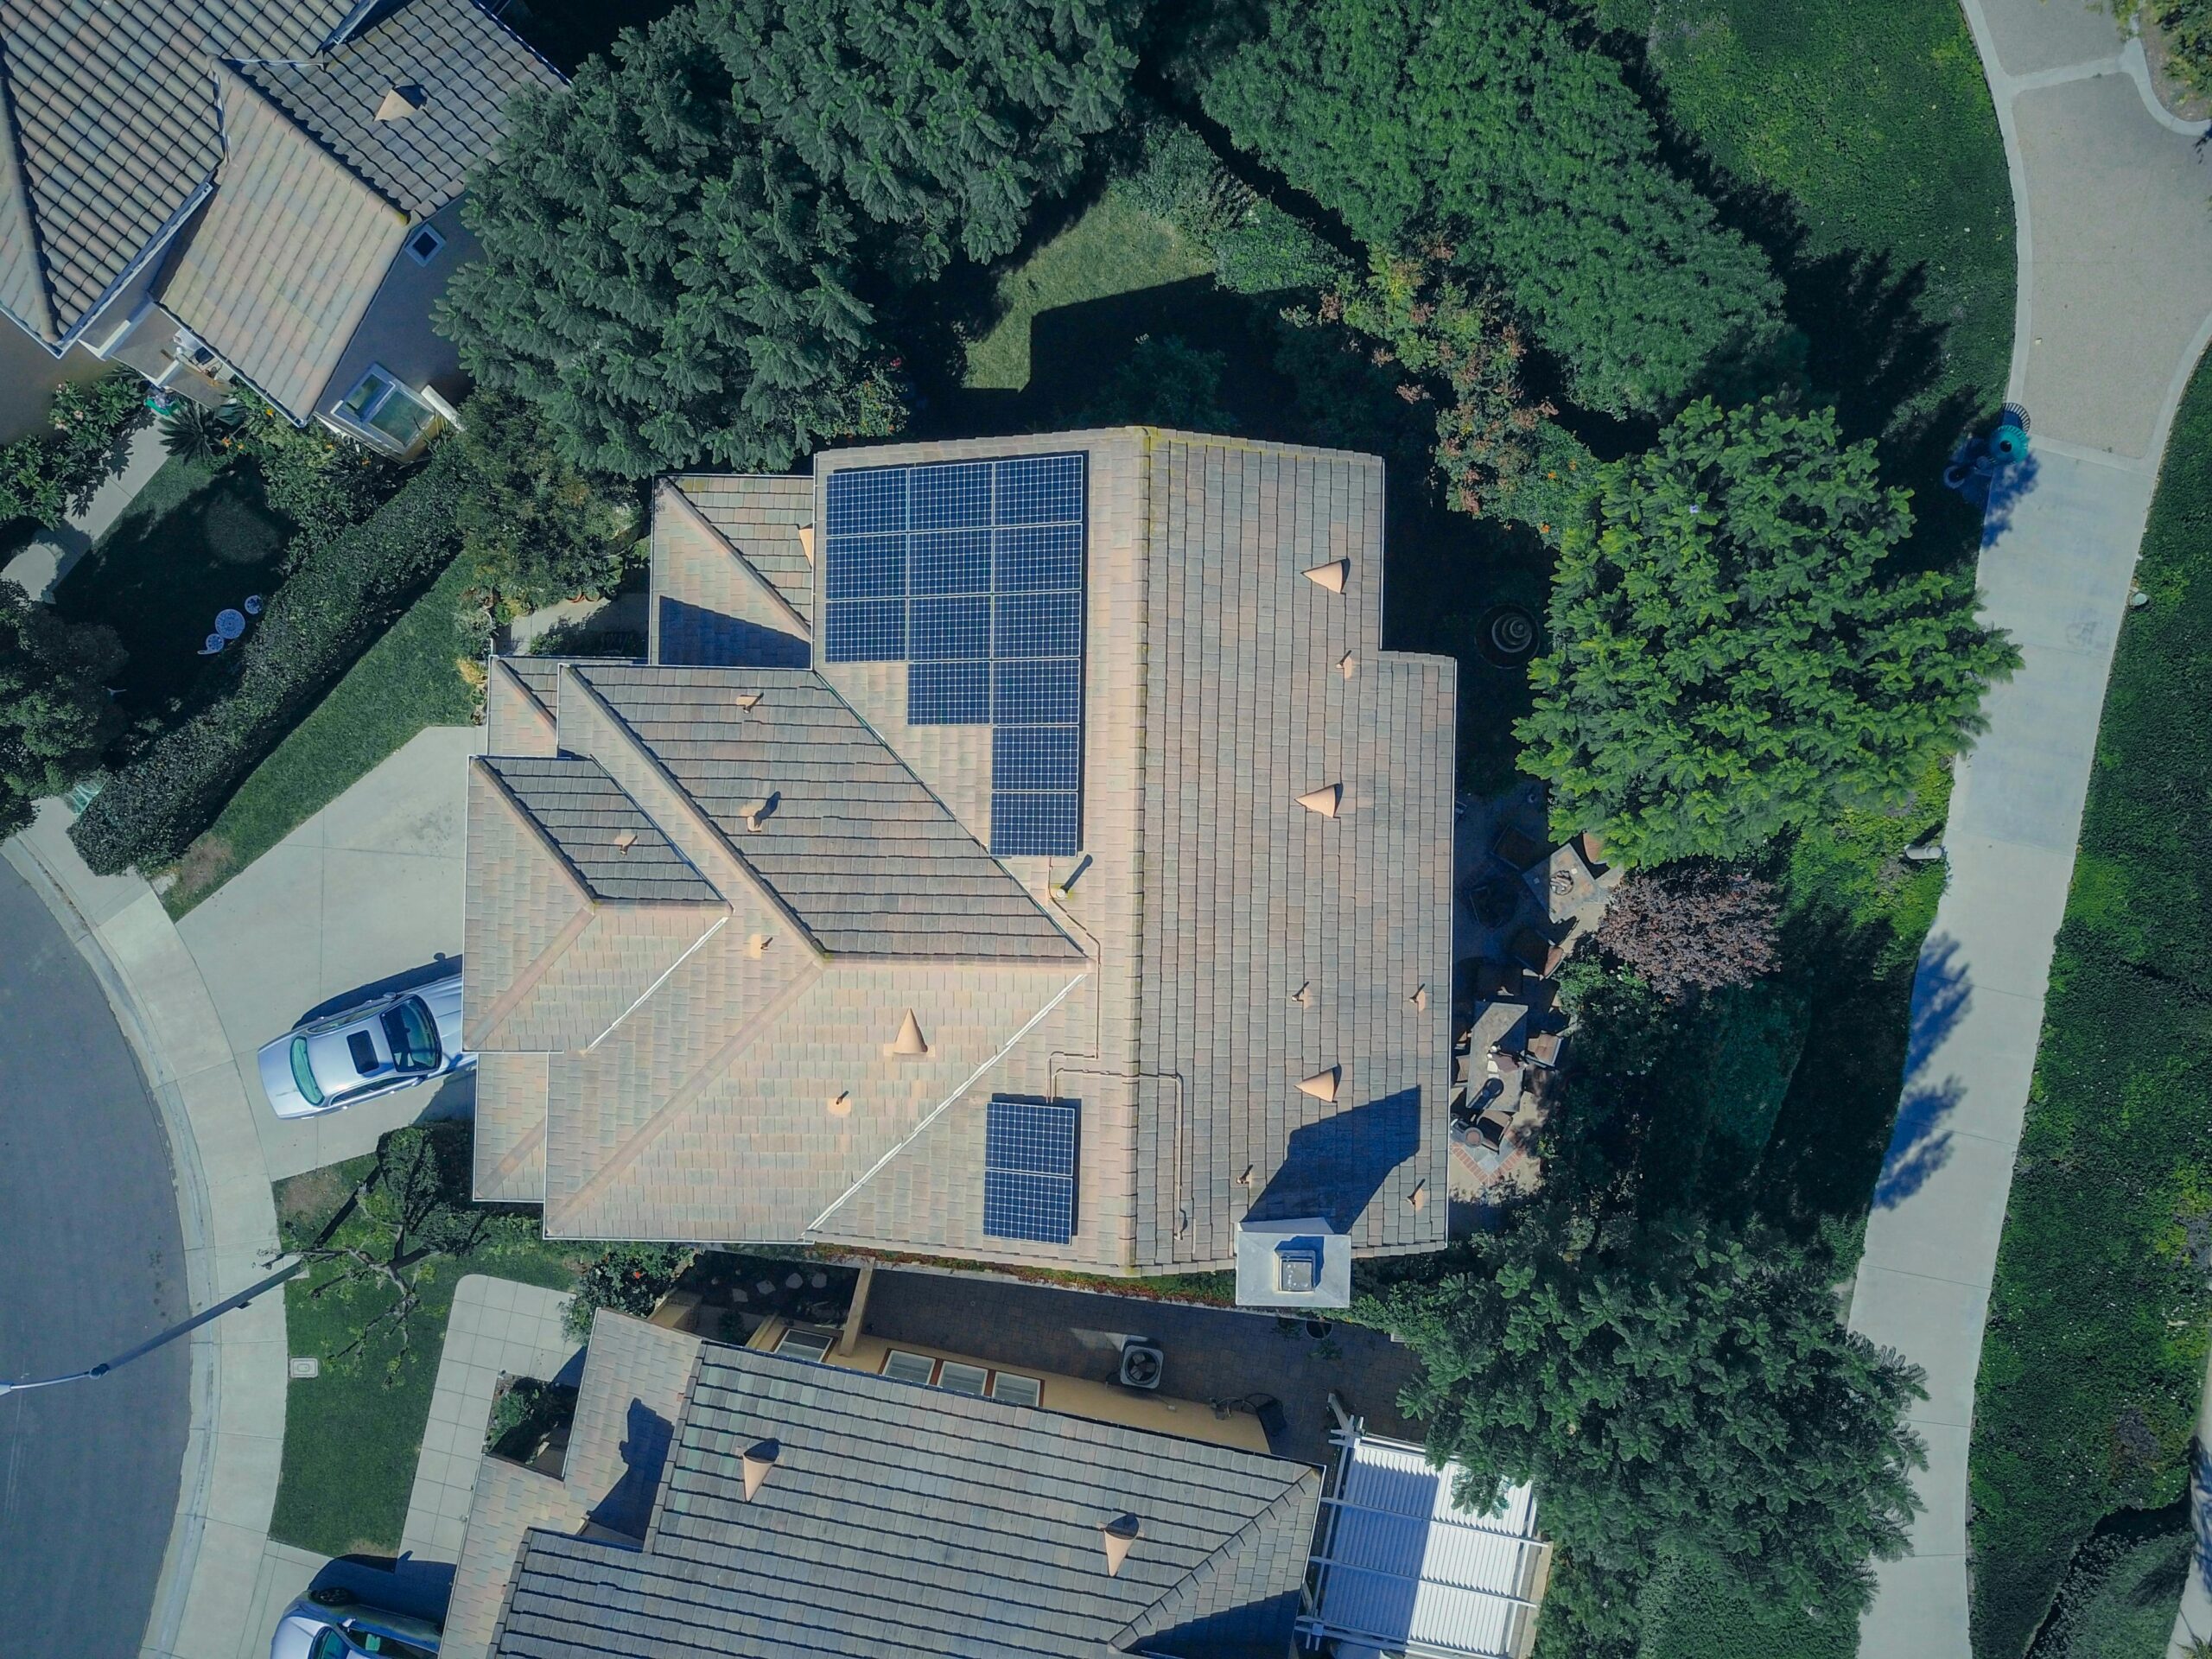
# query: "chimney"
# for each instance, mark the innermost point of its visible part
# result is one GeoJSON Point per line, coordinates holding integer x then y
{"type": "Point", "coordinates": [1119, 1533]}
{"type": "Point", "coordinates": [760, 1458]}
{"type": "Point", "coordinates": [1323, 800]}
{"type": "Point", "coordinates": [400, 102]}
{"type": "Point", "coordinates": [1322, 1085]}
{"type": "Point", "coordinates": [908, 1043]}
{"type": "Point", "coordinates": [1331, 575]}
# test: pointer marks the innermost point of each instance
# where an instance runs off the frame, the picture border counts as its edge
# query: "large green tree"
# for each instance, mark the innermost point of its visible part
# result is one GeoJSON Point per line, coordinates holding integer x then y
{"type": "Point", "coordinates": [1686, 1392]}
{"type": "Point", "coordinates": [55, 715]}
{"type": "Point", "coordinates": [1486, 123]}
{"type": "Point", "coordinates": [535, 528]}
{"type": "Point", "coordinates": [1729, 654]}
{"type": "Point", "coordinates": [688, 253]}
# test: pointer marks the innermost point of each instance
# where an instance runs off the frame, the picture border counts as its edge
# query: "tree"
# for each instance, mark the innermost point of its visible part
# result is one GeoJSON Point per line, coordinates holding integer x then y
{"type": "Point", "coordinates": [1485, 123]}
{"type": "Point", "coordinates": [53, 471]}
{"type": "Point", "coordinates": [1162, 382]}
{"type": "Point", "coordinates": [535, 528]}
{"type": "Point", "coordinates": [689, 252]}
{"type": "Point", "coordinates": [1686, 1390]}
{"type": "Point", "coordinates": [55, 715]}
{"type": "Point", "coordinates": [628, 1277]}
{"type": "Point", "coordinates": [406, 1217]}
{"type": "Point", "coordinates": [1727, 658]}
{"type": "Point", "coordinates": [1692, 927]}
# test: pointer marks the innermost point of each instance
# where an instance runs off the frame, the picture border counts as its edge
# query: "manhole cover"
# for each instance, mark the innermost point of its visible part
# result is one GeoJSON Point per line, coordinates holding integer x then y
{"type": "Point", "coordinates": [304, 1367]}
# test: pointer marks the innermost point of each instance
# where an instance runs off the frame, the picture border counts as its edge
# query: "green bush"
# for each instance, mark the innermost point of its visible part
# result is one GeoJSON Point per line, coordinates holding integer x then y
{"type": "Point", "coordinates": [2118, 1599]}
{"type": "Point", "coordinates": [2093, 1356]}
{"type": "Point", "coordinates": [627, 1278]}
{"type": "Point", "coordinates": [538, 529]}
{"type": "Point", "coordinates": [55, 713]}
{"type": "Point", "coordinates": [323, 484]}
{"type": "Point", "coordinates": [51, 475]}
{"type": "Point", "coordinates": [1163, 382]}
{"type": "Point", "coordinates": [1257, 248]}
{"type": "Point", "coordinates": [328, 611]}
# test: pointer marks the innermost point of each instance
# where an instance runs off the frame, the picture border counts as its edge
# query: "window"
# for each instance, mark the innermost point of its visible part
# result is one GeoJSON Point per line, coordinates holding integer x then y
{"type": "Point", "coordinates": [1017, 1390]}
{"type": "Point", "coordinates": [805, 1343]}
{"type": "Point", "coordinates": [384, 411]}
{"type": "Point", "coordinates": [412, 1036]}
{"type": "Point", "coordinates": [328, 1644]}
{"type": "Point", "coordinates": [304, 1074]}
{"type": "Point", "coordinates": [909, 1367]}
{"type": "Point", "coordinates": [423, 245]}
{"type": "Point", "coordinates": [961, 1379]}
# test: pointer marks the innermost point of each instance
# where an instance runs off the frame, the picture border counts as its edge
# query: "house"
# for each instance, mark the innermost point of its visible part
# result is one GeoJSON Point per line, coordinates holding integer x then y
{"type": "Point", "coordinates": [730, 1500]}
{"type": "Point", "coordinates": [264, 193]}
{"type": "Point", "coordinates": [1018, 849]}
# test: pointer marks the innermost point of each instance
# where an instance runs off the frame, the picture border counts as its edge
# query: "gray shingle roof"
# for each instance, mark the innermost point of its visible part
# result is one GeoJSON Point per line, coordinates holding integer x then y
{"type": "Point", "coordinates": [867, 859]}
{"type": "Point", "coordinates": [465, 65]}
{"type": "Point", "coordinates": [586, 814]}
{"type": "Point", "coordinates": [898, 1519]}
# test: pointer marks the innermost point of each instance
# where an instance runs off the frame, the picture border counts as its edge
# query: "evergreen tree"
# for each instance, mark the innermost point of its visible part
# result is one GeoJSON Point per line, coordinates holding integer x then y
{"type": "Point", "coordinates": [55, 715]}
{"type": "Point", "coordinates": [1688, 1391]}
{"type": "Point", "coordinates": [1485, 123]}
{"type": "Point", "coordinates": [536, 529]}
{"type": "Point", "coordinates": [1726, 656]}
{"type": "Point", "coordinates": [688, 253]}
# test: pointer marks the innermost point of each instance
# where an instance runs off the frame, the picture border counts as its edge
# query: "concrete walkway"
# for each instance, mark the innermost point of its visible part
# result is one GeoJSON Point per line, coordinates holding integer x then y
{"type": "Point", "coordinates": [40, 566]}
{"type": "Point", "coordinates": [2115, 292]}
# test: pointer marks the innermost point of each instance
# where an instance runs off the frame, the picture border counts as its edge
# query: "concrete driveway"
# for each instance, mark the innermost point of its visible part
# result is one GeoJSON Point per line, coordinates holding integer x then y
{"type": "Point", "coordinates": [367, 890]}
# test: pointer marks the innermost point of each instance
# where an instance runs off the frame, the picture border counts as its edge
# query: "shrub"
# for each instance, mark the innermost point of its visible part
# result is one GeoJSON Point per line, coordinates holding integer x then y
{"type": "Point", "coordinates": [527, 1410]}
{"type": "Point", "coordinates": [535, 528]}
{"type": "Point", "coordinates": [1694, 927]}
{"type": "Point", "coordinates": [326, 612]}
{"type": "Point", "coordinates": [323, 484]}
{"type": "Point", "coordinates": [1257, 248]}
{"type": "Point", "coordinates": [200, 434]}
{"type": "Point", "coordinates": [51, 475]}
{"type": "Point", "coordinates": [55, 713]}
{"type": "Point", "coordinates": [627, 1278]}
{"type": "Point", "coordinates": [1162, 382]}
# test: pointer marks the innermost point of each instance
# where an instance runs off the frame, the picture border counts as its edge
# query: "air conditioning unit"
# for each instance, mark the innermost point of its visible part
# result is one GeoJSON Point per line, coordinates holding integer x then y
{"type": "Point", "coordinates": [1142, 1364]}
{"type": "Point", "coordinates": [196, 353]}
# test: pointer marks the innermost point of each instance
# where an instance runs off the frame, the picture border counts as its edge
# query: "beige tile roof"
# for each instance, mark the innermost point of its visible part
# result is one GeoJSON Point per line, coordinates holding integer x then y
{"type": "Point", "coordinates": [1215, 695]}
{"type": "Point", "coordinates": [712, 604]}
{"type": "Point", "coordinates": [286, 258]}
{"type": "Point", "coordinates": [510, 1502]}
{"type": "Point", "coordinates": [519, 705]}
{"type": "Point", "coordinates": [603, 835]}
{"type": "Point", "coordinates": [763, 517]}
{"type": "Point", "coordinates": [22, 280]}
{"type": "Point", "coordinates": [509, 1131]}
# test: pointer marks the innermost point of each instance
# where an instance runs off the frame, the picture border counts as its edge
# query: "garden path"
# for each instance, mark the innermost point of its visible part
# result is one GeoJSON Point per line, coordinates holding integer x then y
{"type": "Point", "coordinates": [2115, 305]}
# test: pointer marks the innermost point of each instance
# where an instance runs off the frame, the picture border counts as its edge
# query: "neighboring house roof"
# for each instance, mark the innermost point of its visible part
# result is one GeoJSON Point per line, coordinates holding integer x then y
{"type": "Point", "coordinates": [284, 264]}
{"type": "Point", "coordinates": [1242, 999]}
{"type": "Point", "coordinates": [454, 64]}
{"type": "Point", "coordinates": [895, 1518]}
{"type": "Point", "coordinates": [115, 130]}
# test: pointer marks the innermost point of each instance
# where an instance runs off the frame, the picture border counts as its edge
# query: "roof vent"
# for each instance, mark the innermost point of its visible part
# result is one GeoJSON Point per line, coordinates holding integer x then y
{"type": "Point", "coordinates": [1119, 1533]}
{"type": "Point", "coordinates": [625, 841]}
{"type": "Point", "coordinates": [1419, 1196]}
{"type": "Point", "coordinates": [1323, 800]}
{"type": "Point", "coordinates": [841, 1103]}
{"type": "Point", "coordinates": [806, 542]}
{"type": "Point", "coordinates": [400, 102]}
{"type": "Point", "coordinates": [1322, 1085]}
{"type": "Point", "coordinates": [758, 945]}
{"type": "Point", "coordinates": [1331, 575]}
{"type": "Point", "coordinates": [760, 1458]}
{"type": "Point", "coordinates": [1420, 998]}
{"type": "Point", "coordinates": [746, 699]}
{"type": "Point", "coordinates": [759, 812]}
{"type": "Point", "coordinates": [909, 1041]}
{"type": "Point", "coordinates": [1347, 665]}
{"type": "Point", "coordinates": [1304, 994]}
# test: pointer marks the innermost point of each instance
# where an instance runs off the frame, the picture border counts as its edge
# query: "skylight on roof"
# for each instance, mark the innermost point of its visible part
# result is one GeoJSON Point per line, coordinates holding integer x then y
{"type": "Point", "coordinates": [1029, 1170]}
{"type": "Point", "coordinates": [971, 573]}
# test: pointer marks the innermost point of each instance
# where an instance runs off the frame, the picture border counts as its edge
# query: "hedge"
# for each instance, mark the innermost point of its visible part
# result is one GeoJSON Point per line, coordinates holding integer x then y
{"type": "Point", "coordinates": [2094, 1356]}
{"type": "Point", "coordinates": [326, 612]}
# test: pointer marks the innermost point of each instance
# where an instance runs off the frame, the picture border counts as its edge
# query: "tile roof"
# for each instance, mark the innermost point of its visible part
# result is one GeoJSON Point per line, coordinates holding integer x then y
{"type": "Point", "coordinates": [116, 125]}
{"type": "Point", "coordinates": [986, 1517]}
{"type": "Point", "coordinates": [463, 64]}
{"type": "Point", "coordinates": [715, 604]}
{"type": "Point", "coordinates": [281, 266]}
{"type": "Point", "coordinates": [614, 848]}
{"type": "Point", "coordinates": [762, 515]}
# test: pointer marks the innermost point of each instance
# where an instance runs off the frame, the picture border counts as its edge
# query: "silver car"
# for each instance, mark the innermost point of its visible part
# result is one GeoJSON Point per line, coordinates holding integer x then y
{"type": "Point", "coordinates": [313, 1628]}
{"type": "Point", "coordinates": [345, 1058]}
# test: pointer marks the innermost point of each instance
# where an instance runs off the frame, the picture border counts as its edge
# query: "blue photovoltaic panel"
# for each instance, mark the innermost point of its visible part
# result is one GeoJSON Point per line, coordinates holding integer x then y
{"type": "Point", "coordinates": [1029, 1170]}
{"type": "Point", "coordinates": [971, 573]}
{"type": "Point", "coordinates": [948, 694]}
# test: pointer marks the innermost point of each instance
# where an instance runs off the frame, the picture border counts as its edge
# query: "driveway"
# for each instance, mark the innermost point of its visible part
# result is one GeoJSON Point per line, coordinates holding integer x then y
{"type": "Point", "coordinates": [94, 1264]}
{"type": "Point", "coordinates": [366, 891]}
{"type": "Point", "coordinates": [2115, 291]}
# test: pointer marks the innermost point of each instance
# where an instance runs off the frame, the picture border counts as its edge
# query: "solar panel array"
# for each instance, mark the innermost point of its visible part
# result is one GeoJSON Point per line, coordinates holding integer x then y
{"type": "Point", "coordinates": [1029, 1170]}
{"type": "Point", "coordinates": [971, 573]}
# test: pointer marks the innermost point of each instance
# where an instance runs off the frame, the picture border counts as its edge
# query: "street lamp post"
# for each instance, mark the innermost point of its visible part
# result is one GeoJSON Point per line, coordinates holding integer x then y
{"type": "Point", "coordinates": [164, 1338]}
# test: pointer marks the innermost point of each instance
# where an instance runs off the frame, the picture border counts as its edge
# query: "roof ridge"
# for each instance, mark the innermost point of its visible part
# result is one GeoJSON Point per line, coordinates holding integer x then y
{"type": "Point", "coordinates": [291, 118]}
{"type": "Point", "coordinates": [699, 521]}
{"type": "Point", "coordinates": [15, 180]}
{"type": "Point", "coordinates": [1178, 1595]}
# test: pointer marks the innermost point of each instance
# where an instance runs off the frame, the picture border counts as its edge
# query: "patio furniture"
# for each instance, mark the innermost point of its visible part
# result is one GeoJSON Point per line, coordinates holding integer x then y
{"type": "Point", "coordinates": [1536, 953]}
{"type": "Point", "coordinates": [215, 643]}
{"type": "Point", "coordinates": [1515, 850]}
{"type": "Point", "coordinates": [231, 624]}
{"type": "Point", "coordinates": [253, 604]}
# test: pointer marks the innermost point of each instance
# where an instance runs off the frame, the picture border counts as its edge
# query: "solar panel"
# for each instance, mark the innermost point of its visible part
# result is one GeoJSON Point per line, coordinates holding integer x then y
{"type": "Point", "coordinates": [1029, 1170]}
{"type": "Point", "coordinates": [971, 573]}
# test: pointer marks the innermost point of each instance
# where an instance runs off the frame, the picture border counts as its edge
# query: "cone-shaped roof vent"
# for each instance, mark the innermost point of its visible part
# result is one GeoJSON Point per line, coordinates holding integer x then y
{"type": "Point", "coordinates": [1332, 576]}
{"type": "Point", "coordinates": [1323, 800]}
{"type": "Point", "coordinates": [1348, 665]}
{"type": "Point", "coordinates": [806, 542]}
{"type": "Point", "coordinates": [909, 1040]}
{"type": "Point", "coordinates": [1322, 1085]}
{"type": "Point", "coordinates": [1419, 1196]}
{"type": "Point", "coordinates": [1119, 1533]}
{"type": "Point", "coordinates": [400, 102]}
{"type": "Point", "coordinates": [760, 1458]}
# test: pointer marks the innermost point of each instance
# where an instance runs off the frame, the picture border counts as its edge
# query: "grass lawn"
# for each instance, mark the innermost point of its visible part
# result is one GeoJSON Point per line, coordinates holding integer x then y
{"type": "Point", "coordinates": [194, 542]}
{"type": "Point", "coordinates": [410, 678]}
{"type": "Point", "coordinates": [2093, 1356]}
{"type": "Point", "coordinates": [352, 1436]}
{"type": "Point", "coordinates": [1861, 136]}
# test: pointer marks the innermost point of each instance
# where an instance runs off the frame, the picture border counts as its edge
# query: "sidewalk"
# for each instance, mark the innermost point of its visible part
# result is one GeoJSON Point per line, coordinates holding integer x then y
{"type": "Point", "coordinates": [2115, 258]}
{"type": "Point", "coordinates": [233, 1453]}
{"type": "Point", "coordinates": [40, 566]}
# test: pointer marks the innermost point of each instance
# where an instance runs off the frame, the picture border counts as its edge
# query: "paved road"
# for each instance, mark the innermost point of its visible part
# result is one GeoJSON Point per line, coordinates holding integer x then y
{"type": "Point", "coordinates": [93, 1264]}
{"type": "Point", "coordinates": [2115, 251]}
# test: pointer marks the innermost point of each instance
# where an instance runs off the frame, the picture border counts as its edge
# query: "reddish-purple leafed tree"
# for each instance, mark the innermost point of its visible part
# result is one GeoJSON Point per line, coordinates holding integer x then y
{"type": "Point", "coordinates": [1693, 926]}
